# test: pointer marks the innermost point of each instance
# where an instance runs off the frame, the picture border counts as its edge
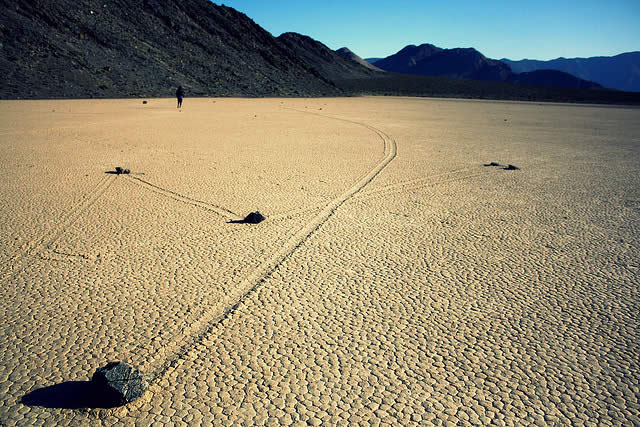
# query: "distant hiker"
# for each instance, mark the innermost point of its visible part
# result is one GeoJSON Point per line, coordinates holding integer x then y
{"type": "Point", "coordinates": [180, 95]}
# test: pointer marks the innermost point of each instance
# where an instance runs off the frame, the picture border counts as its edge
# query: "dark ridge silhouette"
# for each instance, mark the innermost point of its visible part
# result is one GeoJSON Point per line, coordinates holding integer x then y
{"type": "Point", "coordinates": [430, 60]}
{"type": "Point", "coordinates": [69, 395]}
{"type": "Point", "coordinates": [620, 72]}
{"type": "Point", "coordinates": [468, 63]}
{"type": "Point", "coordinates": [407, 57]}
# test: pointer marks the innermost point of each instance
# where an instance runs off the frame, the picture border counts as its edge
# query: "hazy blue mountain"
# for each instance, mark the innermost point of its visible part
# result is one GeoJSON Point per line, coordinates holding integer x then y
{"type": "Point", "coordinates": [620, 72]}
{"type": "Point", "coordinates": [468, 63]}
{"type": "Point", "coordinates": [372, 60]}
{"type": "Point", "coordinates": [552, 78]}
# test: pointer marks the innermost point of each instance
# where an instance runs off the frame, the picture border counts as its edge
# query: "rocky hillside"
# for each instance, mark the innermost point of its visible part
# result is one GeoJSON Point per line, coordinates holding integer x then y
{"type": "Point", "coordinates": [328, 63]}
{"type": "Point", "coordinates": [124, 48]}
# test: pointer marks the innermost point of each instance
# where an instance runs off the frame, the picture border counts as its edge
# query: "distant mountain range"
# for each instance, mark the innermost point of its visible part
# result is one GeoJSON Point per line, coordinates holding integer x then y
{"type": "Point", "coordinates": [468, 63]}
{"type": "Point", "coordinates": [620, 72]}
{"type": "Point", "coordinates": [146, 48]}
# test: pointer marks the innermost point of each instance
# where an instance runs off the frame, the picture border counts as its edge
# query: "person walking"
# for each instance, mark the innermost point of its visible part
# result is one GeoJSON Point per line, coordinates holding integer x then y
{"type": "Point", "coordinates": [180, 95]}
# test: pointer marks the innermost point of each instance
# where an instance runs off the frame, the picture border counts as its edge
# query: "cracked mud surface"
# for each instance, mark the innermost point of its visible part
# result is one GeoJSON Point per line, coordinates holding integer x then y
{"type": "Point", "coordinates": [396, 279]}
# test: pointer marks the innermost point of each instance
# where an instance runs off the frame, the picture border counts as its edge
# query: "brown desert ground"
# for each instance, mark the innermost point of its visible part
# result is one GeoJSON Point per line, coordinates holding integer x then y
{"type": "Point", "coordinates": [396, 279]}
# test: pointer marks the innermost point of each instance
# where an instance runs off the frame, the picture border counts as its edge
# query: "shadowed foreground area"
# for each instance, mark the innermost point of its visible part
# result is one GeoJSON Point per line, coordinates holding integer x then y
{"type": "Point", "coordinates": [67, 395]}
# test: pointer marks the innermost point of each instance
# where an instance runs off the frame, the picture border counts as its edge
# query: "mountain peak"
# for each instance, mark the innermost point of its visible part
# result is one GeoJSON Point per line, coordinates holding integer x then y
{"type": "Point", "coordinates": [431, 60]}
{"type": "Point", "coordinates": [349, 55]}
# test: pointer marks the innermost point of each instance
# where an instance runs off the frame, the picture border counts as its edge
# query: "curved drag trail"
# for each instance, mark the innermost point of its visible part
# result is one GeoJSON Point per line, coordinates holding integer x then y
{"type": "Point", "coordinates": [225, 213]}
{"type": "Point", "coordinates": [15, 265]}
{"type": "Point", "coordinates": [413, 184]}
{"type": "Point", "coordinates": [197, 332]}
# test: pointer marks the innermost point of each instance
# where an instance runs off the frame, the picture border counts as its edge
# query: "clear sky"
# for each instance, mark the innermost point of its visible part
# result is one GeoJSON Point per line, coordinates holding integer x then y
{"type": "Point", "coordinates": [514, 29]}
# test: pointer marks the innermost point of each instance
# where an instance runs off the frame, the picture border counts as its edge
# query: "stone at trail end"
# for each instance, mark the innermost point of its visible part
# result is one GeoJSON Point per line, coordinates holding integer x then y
{"type": "Point", "coordinates": [120, 171]}
{"type": "Point", "coordinates": [254, 218]}
{"type": "Point", "coordinates": [144, 102]}
{"type": "Point", "coordinates": [118, 383]}
{"type": "Point", "coordinates": [512, 168]}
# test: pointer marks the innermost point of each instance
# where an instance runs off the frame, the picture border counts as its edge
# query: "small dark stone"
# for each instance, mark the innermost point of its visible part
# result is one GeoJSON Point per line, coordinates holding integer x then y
{"type": "Point", "coordinates": [254, 218]}
{"type": "Point", "coordinates": [512, 168]}
{"type": "Point", "coordinates": [118, 383]}
{"type": "Point", "coordinates": [120, 171]}
{"type": "Point", "coordinates": [493, 164]}
{"type": "Point", "coordinates": [144, 102]}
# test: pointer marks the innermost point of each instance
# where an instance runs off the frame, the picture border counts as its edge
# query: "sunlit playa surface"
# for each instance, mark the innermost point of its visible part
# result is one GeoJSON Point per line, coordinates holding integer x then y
{"type": "Point", "coordinates": [395, 280]}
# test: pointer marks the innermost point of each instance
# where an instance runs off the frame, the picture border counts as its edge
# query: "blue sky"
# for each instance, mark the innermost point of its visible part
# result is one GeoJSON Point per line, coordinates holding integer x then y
{"type": "Point", "coordinates": [538, 29]}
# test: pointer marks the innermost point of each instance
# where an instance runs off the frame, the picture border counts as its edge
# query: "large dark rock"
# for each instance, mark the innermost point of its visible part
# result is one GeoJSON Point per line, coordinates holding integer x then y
{"type": "Point", "coordinates": [118, 383]}
{"type": "Point", "coordinates": [254, 218]}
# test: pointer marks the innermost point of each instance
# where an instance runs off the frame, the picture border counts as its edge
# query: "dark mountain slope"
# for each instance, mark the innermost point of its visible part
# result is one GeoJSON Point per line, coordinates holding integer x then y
{"type": "Point", "coordinates": [122, 48]}
{"type": "Point", "coordinates": [407, 58]}
{"type": "Point", "coordinates": [462, 63]}
{"type": "Point", "coordinates": [620, 72]}
{"type": "Point", "coordinates": [323, 60]}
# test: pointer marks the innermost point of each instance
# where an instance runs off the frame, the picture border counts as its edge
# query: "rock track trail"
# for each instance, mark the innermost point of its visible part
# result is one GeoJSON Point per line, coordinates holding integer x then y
{"type": "Point", "coordinates": [219, 210]}
{"type": "Point", "coordinates": [20, 261]}
{"type": "Point", "coordinates": [422, 293]}
{"type": "Point", "coordinates": [197, 332]}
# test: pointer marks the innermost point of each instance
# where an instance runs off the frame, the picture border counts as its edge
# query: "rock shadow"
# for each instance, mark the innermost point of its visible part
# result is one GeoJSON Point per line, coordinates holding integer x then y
{"type": "Point", "coordinates": [68, 395]}
{"type": "Point", "coordinates": [241, 221]}
{"type": "Point", "coordinates": [253, 218]}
